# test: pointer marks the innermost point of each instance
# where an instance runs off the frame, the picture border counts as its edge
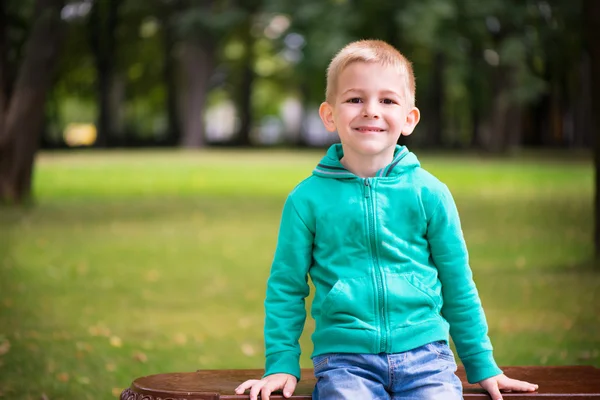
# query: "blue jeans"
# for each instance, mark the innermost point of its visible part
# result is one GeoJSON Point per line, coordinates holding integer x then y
{"type": "Point", "coordinates": [426, 372]}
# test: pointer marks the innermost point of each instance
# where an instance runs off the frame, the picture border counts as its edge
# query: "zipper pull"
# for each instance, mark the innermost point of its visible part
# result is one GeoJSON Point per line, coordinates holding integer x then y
{"type": "Point", "coordinates": [367, 188]}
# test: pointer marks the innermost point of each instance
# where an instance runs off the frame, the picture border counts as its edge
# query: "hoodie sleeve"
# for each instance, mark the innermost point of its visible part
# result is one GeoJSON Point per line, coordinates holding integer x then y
{"type": "Point", "coordinates": [287, 288]}
{"type": "Point", "coordinates": [462, 307]}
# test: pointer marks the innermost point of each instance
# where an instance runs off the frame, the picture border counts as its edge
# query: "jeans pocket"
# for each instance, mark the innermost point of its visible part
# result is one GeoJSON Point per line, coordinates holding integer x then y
{"type": "Point", "coordinates": [320, 362]}
{"type": "Point", "coordinates": [442, 350]}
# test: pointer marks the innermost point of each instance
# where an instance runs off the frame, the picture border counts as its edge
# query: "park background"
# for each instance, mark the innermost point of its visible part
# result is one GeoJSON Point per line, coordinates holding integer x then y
{"type": "Point", "coordinates": [146, 149]}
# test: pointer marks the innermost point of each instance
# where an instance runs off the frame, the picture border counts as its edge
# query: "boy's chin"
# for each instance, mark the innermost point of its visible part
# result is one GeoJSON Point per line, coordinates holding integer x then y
{"type": "Point", "coordinates": [375, 149]}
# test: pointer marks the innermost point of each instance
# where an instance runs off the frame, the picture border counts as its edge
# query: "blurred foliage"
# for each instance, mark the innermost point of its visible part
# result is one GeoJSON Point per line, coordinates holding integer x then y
{"type": "Point", "coordinates": [528, 52]}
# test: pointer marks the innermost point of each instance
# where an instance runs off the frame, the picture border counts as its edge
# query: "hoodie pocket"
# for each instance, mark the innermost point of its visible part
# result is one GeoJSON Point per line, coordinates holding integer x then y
{"type": "Point", "coordinates": [410, 302]}
{"type": "Point", "coordinates": [349, 304]}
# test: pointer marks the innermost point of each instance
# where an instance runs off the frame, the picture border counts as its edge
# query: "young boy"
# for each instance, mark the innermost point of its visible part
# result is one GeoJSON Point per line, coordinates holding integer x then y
{"type": "Point", "coordinates": [381, 240]}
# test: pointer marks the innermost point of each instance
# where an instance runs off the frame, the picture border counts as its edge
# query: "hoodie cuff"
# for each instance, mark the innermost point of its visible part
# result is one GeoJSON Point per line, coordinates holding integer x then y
{"type": "Point", "coordinates": [284, 362]}
{"type": "Point", "coordinates": [480, 366]}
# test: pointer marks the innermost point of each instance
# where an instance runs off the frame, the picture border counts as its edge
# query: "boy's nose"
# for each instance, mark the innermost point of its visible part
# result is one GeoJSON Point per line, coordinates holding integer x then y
{"type": "Point", "coordinates": [370, 111]}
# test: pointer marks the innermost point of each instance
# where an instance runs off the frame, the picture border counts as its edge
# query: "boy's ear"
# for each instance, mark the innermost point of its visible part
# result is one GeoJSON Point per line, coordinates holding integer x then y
{"type": "Point", "coordinates": [326, 114]}
{"type": "Point", "coordinates": [412, 119]}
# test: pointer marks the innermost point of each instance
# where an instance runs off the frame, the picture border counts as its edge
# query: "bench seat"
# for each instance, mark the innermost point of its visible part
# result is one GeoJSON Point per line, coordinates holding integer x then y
{"type": "Point", "coordinates": [556, 382]}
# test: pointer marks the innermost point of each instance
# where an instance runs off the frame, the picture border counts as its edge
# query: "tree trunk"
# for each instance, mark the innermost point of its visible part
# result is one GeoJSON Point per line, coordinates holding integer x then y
{"type": "Point", "coordinates": [591, 11]}
{"type": "Point", "coordinates": [475, 100]}
{"type": "Point", "coordinates": [583, 104]}
{"type": "Point", "coordinates": [247, 81]}
{"type": "Point", "coordinates": [20, 132]}
{"type": "Point", "coordinates": [245, 92]}
{"type": "Point", "coordinates": [174, 133]}
{"type": "Point", "coordinates": [502, 129]}
{"type": "Point", "coordinates": [102, 41]}
{"type": "Point", "coordinates": [3, 64]}
{"type": "Point", "coordinates": [198, 63]}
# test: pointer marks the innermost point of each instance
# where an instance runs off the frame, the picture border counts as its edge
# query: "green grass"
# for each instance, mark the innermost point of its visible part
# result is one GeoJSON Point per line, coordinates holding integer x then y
{"type": "Point", "coordinates": [135, 263]}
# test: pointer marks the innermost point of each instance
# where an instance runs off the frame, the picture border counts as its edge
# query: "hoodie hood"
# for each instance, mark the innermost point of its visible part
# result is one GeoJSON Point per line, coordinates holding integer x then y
{"type": "Point", "coordinates": [331, 167]}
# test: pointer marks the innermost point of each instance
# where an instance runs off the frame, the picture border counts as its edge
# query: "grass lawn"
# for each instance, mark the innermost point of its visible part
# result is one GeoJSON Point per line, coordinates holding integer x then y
{"type": "Point", "coordinates": [135, 263]}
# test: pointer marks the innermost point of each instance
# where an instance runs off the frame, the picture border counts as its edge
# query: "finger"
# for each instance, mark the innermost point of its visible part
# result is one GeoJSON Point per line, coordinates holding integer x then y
{"type": "Point", "coordinates": [245, 386]}
{"type": "Point", "coordinates": [494, 391]}
{"type": "Point", "coordinates": [256, 388]}
{"type": "Point", "coordinates": [265, 392]}
{"type": "Point", "coordinates": [522, 386]}
{"type": "Point", "coordinates": [290, 386]}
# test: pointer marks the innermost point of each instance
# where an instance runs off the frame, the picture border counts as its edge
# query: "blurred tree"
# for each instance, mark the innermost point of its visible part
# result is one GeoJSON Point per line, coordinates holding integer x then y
{"type": "Point", "coordinates": [145, 74]}
{"type": "Point", "coordinates": [73, 95]}
{"type": "Point", "coordinates": [488, 75]}
{"type": "Point", "coordinates": [103, 21]}
{"type": "Point", "coordinates": [309, 44]}
{"type": "Point", "coordinates": [428, 39]}
{"type": "Point", "coordinates": [555, 39]}
{"type": "Point", "coordinates": [591, 12]}
{"type": "Point", "coordinates": [202, 26]}
{"type": "Point", "coordinates": [498, 60]}
{"type": "Point", "coordinates": [22, 113]}
{"type": "Point", "coordinates": [165, 11]}
{"type": "Point", "coordinates": [151, 32]}
{"type": "Point", "coordinates": [14, 26]}
{"type": "Point", "coordinates": [250, 9]}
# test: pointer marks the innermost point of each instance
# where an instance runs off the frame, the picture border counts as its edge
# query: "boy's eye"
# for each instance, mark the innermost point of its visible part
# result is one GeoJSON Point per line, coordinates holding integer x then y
{"type": "Point", "coordinates": [354, 100]}
{"type": "Point", "coordinates": [388, 101]}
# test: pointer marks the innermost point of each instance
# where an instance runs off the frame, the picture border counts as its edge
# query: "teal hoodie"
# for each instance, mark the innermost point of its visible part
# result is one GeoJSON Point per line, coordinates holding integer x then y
{"type": "Point", "coordinates": [388, 262]}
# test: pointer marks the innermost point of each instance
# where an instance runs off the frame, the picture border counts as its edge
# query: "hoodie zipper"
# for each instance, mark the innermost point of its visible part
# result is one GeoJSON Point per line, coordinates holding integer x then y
{"type": "Point", "coordinates": [378, 273]}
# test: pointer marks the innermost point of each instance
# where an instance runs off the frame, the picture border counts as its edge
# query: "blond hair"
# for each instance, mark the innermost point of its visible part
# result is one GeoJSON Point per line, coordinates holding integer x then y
{"type": "Point", "coordinates": [370, 51]}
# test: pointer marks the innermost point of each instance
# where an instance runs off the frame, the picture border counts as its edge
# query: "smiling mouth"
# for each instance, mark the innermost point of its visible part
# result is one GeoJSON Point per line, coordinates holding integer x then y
{"type": "Point", "coordinates": [369, 129]}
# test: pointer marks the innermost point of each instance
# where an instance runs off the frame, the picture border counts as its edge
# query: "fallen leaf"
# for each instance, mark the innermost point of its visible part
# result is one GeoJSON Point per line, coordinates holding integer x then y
{"type": "Point", "coordinates": [99, 330]}
{"type": "Point", "coordinates": [245, 322]}
{"type": "Point", "coordinates": [110, 367]}
{"type": "Point", "coordinates": [180, 338]}
{"type": "Point", "coordinates": [116, 341]}
{"type": "Point", "coordinates": [248, 350]}
{"type": "Point", "coordinates": [141, 357]}
{"type": "Point", "coordinates": [4, 346]}
{"type": "Point", "coordinates": [84, 347]}
{"type": "Point", "coordinates": [116, 392]}
{"type": "Point", "coordinates": [63, 377]}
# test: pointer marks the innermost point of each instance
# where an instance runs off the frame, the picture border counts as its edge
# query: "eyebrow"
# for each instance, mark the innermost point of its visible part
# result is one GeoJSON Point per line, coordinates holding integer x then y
{"type": "Point", "coordinates": [383, 92]}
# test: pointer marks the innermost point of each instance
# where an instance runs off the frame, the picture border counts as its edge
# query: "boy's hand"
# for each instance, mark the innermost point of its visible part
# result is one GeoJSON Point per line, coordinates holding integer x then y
{"type": "Point", "coordinates": [495, 383]}
{"type": "Point", "coordinates": [268, 385]}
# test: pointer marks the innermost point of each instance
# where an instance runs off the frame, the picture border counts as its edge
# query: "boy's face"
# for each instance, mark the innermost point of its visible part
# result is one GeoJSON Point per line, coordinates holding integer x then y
{"type": "Point", "coordinates": [370, 110]}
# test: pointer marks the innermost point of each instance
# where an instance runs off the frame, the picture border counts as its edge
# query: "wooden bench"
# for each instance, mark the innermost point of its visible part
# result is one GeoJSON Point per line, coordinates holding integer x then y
{"type": "Point", "coordinates": [569, 382]}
